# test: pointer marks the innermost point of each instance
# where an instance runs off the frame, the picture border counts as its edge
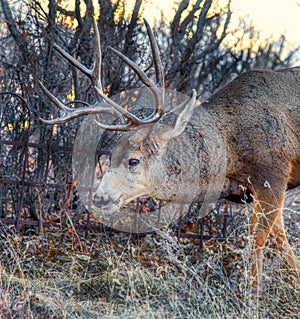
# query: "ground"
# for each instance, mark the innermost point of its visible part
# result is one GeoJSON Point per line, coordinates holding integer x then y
{"type": "Point", "coordinates": [154, 276]}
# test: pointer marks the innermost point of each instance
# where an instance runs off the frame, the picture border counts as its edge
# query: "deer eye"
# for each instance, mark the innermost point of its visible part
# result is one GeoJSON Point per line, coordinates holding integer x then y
{"type": "Point", "coordinates": [133, 162]}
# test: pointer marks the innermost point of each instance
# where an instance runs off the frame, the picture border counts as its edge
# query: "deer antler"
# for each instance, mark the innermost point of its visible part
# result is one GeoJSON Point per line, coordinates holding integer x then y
{"type": "Point", "coordinates": [109, 106]}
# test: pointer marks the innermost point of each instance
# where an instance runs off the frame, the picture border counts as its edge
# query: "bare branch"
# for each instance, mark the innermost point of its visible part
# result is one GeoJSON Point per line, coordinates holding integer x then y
{"type": "Point", "coordinates": [19, 39]}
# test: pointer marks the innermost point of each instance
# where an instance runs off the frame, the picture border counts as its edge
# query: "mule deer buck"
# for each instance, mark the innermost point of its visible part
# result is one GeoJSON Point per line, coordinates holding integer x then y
{"type": "Point", "coordinates": [258, 115]}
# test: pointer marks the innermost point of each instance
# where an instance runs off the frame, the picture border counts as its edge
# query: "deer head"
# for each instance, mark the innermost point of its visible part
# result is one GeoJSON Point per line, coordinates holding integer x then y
{"type": "Point", "coordinates": [140, 161]}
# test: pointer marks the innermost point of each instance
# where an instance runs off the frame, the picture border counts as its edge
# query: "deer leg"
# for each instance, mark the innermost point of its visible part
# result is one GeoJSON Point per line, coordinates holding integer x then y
{"type": "Point", "coordinates": [267, 209]}
{"type": "Point", "coordinates": [259, 231]}
{"type": "Point", "coordinates": [283, 246]}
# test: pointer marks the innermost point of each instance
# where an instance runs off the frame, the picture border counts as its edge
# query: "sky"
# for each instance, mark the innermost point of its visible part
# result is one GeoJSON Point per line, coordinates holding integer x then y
{"type": "Point", "coordinates": [271, 17]}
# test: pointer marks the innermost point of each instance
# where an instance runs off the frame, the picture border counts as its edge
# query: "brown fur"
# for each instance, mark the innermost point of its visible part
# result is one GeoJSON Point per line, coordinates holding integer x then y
{"type": "Point", "coordinates": [258, 115]}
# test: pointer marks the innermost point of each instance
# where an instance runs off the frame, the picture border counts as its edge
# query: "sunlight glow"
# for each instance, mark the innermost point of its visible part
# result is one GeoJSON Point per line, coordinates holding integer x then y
{"type": "Point", "coordinates": [271, 18]}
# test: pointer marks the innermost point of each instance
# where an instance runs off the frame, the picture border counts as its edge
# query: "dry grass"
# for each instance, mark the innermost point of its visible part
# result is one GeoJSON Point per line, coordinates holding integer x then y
{"type": "Point", "coordinates": [149, 277]}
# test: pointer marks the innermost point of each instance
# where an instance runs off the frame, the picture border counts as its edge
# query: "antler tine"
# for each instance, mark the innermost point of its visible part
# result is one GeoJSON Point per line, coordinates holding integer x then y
{"type": "Point", "coordinates": [156, 56]}
{"type": "Point", "coordinates": [134, 120]}
{"type": "Point", "coordinates": [53, 98]}
{"type": "Point", "coordinates": [93, 74]}
{"type": "Point", "coordinates": [70, 113]}
{"type": "Point", "coordinates": [89, 73]}
{"type": "Point", "coordinates": [98, 59]}
{"type": "Point", "coordinates": [124, 127]}
{"type": "Point", "coordinates": [145, 79]}
{"type": "Point", "coordinates": [141, 74]}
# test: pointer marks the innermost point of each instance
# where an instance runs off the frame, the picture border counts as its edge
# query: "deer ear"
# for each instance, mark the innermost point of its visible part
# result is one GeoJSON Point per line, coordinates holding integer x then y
{"type": "Point", "coordinates": [182, 119]}
{"type": "Point", "coordinates": [170, 126]}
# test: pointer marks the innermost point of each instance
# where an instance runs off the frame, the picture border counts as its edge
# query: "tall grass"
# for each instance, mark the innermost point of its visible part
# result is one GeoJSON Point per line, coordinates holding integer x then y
{"type": "Point", "coordinates": [149, 277]}
{"type": "Point", "coordinates": [154, 276]}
